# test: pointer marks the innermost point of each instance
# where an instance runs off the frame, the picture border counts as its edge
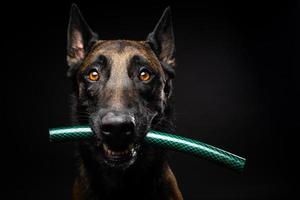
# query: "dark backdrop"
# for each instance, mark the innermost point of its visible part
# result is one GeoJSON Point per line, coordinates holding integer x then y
{"type": "Point", "coordinates": [236, 88]}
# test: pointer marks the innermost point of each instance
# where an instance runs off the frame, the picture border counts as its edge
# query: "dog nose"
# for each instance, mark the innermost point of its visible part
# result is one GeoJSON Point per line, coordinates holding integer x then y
{"type": "Point", "coordinates": [117, 127]}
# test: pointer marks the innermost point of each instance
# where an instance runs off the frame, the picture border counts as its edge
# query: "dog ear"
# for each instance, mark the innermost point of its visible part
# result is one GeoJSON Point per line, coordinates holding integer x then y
{"type": "Point", "coordinates": [162, 42]}
{"type": "Point", "coordinates": [80, 38]}
{"type": "Point", "coordinates": [161, 39]}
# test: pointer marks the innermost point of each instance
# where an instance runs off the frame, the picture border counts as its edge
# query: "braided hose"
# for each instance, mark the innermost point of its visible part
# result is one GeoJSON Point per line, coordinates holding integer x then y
{"type": "Point", "coordinates": [164, 140]}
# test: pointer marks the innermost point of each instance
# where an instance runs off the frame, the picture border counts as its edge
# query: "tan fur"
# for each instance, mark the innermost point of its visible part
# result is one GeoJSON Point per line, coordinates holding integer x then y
{"type": "Point", "coordinates": [125, 49]}
{"type": "Point", "coordinates": [76, 194]}
{"type": "Point", "coordinates": [77, 52]}
{"type": "Point", "coordinates": [171, 181]}
{"type": "Point", "coordinates": [119, 53]}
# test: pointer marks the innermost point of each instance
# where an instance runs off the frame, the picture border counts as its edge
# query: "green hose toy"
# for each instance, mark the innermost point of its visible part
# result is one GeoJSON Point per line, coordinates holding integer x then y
{"type": "Point", "coordinates": [164, 140]}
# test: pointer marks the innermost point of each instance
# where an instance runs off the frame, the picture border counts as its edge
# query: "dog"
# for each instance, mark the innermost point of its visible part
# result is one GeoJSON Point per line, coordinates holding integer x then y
{"type": "Point", "coordinates": [122, 89]}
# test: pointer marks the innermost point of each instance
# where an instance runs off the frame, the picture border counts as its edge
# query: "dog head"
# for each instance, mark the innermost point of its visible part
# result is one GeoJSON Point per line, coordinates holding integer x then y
{"type": "Point", "coordinates": [122, 86]}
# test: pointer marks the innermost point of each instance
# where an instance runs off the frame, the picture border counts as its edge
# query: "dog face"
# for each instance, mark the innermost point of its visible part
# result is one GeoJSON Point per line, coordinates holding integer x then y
{"type": "Point", "coordinates": [122, 86]}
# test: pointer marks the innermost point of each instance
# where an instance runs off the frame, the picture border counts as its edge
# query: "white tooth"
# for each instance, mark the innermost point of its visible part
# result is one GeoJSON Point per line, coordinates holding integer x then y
{"type": "Point", "coordinates": [105, 147]}
{"type": "Point", "coordinates": [130, 146]}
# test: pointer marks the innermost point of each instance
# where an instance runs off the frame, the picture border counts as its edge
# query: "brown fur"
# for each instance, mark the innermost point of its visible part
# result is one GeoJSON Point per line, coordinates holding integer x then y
{"type": "Point", "coordinates": [120, 51]}
{"type": "Point", "coordinates": [125, 49]}
{"type": "Point", "coordinates": [120, 92]}
{"type": "Point", "coordinates": [168, 180]}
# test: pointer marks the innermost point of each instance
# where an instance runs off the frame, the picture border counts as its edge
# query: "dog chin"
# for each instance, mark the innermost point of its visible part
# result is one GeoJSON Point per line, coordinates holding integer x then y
{"type": "Point", "coordinates": [120, 159]}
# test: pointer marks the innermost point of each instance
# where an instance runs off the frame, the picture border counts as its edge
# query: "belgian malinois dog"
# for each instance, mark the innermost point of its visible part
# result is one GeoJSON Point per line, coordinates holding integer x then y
{"type": "Point", "coordinates": [122, 89]}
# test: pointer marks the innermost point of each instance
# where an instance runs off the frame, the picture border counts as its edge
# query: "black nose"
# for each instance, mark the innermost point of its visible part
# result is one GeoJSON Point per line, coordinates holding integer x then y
{"type": "Point", "coordinates": [117, 128]}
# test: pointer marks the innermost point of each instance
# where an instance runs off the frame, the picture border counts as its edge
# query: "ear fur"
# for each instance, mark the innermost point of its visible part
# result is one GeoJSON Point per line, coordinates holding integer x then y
{"type": "Point", "coordinates": [162, 40]}
{"type": "Point", "coordinates": [80, 39]}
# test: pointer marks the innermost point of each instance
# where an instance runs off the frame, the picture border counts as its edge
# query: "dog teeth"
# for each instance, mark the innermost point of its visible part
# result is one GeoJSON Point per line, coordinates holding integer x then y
{"type": "Point", "coordinates": [110, 153]}
{"type": "Point", "coordinates": [114, 153]}
{"type": "Point", "coordinates": [105, 147]}
{"type": "Point", "coordinates": [130, 146]}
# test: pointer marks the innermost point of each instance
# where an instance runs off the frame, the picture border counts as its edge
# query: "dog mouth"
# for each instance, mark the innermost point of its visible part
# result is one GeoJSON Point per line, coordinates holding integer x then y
{"type": "Point", "coordinates": [120, 158]}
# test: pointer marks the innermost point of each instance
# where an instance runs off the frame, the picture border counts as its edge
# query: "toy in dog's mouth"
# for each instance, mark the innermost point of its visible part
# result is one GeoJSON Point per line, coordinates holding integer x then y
{"type": "Point", "coordinates": [127, 156]}
{"type": "Point", "coordinates": [120, 158]}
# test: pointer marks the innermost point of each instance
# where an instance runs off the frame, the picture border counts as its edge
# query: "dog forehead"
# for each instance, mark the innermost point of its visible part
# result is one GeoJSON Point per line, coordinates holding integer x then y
{"type": "Point", "coordinates": [122, 50]}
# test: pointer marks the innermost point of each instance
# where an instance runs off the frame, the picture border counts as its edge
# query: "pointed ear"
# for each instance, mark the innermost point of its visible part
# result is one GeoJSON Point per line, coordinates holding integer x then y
{"type": "Point", "coordinates": [162, 39]}
{"type": "Point", "coordinates": [80, 39]}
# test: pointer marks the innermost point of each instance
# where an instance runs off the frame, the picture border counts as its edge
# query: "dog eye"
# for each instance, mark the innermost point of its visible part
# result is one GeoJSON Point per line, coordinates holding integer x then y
{"type": "Point", "coordinates": [93, 75]}
{"type": "Point", "coordinates": [144, 74]}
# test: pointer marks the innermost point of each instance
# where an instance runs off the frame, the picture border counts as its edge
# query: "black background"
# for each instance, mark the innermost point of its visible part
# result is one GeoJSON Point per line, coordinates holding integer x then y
{"type": "Point", "coordinates": [237, 88]}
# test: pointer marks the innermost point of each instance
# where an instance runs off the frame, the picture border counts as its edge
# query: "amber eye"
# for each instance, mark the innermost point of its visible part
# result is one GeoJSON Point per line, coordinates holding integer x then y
{"type": "Point", "coordinates": [144, 75]}
{"type": "Point", "coordinates": [93, 75]}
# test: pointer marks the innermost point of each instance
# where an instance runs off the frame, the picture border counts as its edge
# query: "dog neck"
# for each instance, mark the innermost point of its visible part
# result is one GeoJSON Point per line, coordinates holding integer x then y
{"type": "Point", "coordinates": [97, 178]}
